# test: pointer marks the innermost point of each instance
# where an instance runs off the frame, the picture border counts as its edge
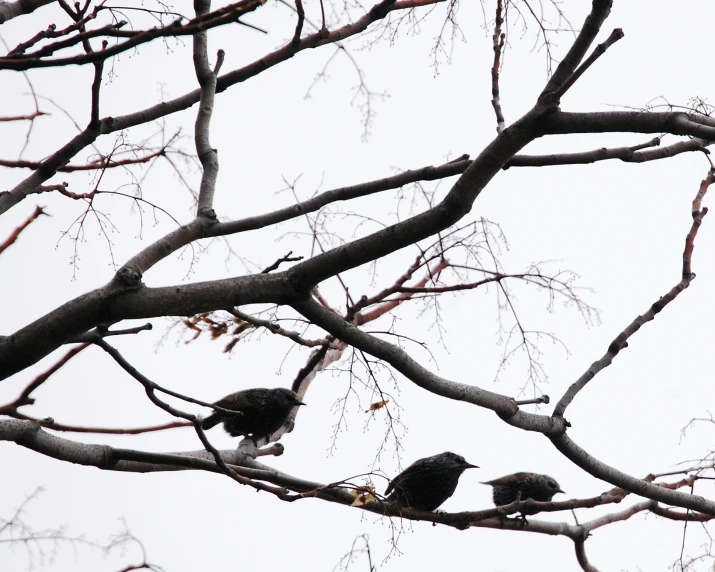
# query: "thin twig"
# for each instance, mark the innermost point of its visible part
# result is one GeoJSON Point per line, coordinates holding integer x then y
{"type": "Point", "coordinates": [621, 341]}
{"type": "Point", "coordinates": [276, 329]}
{"type": "Point", "coordinates": [10, 240]}
{"type": "Point", "coordinates": [277, 263]}
{"type": "Point", "coordinates": [616, 35]}
{"type": "Point", "coordinates": [24, 397]}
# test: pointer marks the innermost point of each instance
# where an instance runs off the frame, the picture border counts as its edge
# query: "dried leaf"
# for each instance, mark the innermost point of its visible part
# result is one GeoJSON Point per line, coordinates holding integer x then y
{"type": "Point", "coordinates": [363, 495]}
{"type": "Point", "coordinates": [205, 318]}
{"type": "Point", "coordinates": [378, 405]}
{"type": "Point", "coordinates": [229, 345]}
{"type": "Point", "coordinates": [242, 327]}
{"type": "Point", "coordinates": [191, 325]}
{"type": "Point", "coordinates": [217, 330]}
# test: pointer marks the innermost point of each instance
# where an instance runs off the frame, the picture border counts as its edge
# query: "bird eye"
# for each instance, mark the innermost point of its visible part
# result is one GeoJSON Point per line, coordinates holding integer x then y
{"type": "Point", "coordinates": [552, 484]}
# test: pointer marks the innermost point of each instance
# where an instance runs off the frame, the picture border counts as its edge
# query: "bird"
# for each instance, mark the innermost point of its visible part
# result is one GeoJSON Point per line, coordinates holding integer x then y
{"type": "Point", "coordinates": [258, 413]}
{"type": "Point", "coordinates": [428, 482]}
{"type": "Point", "coordinates": [523, 486]}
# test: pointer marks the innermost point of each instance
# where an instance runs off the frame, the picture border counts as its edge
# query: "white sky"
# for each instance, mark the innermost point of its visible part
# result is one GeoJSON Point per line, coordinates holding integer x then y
{"type": "Point", "coordinates": [620, 226]}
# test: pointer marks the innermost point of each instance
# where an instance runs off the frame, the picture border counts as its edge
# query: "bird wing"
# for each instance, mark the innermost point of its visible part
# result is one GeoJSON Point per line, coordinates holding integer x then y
{"type": "Point", "coordinates": [506, 480]}
{"type": "Point", "coordinates": [416, 465]}
{"type": "Point", "coordinates": [389, 488]}
{"type": "Point", "coordinates": [236, 402]}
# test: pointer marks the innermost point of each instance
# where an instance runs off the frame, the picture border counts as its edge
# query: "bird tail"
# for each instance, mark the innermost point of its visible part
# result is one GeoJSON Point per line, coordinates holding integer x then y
{"type": "Point", "coordinates": [212, 420]}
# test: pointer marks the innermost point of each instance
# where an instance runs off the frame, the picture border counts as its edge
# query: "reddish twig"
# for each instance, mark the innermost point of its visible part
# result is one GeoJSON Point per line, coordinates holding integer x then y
{"type": "Point", "coordinates": [24, 398]}
{"type": "Point", "coordinates": [104, 162]}
{"type": "Point", "coordinates": [50, 423]}
{"type": "Point", "coordinates": [10, 240]}
{"type": "Point", "coordinates": [30, 117]}
{"type": "Point", "coordinates": [621, 341]}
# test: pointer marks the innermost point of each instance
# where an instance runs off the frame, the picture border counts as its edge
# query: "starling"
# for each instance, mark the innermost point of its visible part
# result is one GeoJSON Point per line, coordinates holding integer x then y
{"type": "Point", "coordinates": [428, 482]}
{"type": "Point", "coordinates": [522, 486]}
{"type": "Point", "coordinates": [259, 412]}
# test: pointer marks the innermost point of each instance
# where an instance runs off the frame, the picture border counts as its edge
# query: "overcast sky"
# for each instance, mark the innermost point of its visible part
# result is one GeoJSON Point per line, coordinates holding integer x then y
{"type": "Point", "coordinates": [620, 226]}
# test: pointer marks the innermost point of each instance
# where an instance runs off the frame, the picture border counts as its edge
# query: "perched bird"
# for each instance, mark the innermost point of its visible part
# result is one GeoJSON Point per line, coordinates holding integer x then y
{"type": "Point", "coordinates": [428, 482]}
{"type": "Point", "coordinates": [259, 412]}
{"type": "Point", "coordinates": [522, 486]}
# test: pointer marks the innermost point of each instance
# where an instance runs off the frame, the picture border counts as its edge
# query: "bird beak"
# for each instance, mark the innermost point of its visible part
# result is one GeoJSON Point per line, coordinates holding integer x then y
{"type": "Point", "coordinates": [560, 491]}
{"type": "Point", "coordinates": [299, 403]}
{"type": "Point", "coordinates": [470, 466]}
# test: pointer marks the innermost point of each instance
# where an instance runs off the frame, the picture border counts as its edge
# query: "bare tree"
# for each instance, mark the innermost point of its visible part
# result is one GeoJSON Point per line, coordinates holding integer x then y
{"type": "Point", "coordinates": [450, 250]}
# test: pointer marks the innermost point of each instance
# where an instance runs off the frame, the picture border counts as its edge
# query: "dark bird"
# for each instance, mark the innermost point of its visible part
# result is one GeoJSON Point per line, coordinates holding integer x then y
{"type": "Point", "coordinates": [522, 486]}
{"type": "Point", "coordinates": [258, 412]}
{"type": "Point", "coordinates": [428, 482]}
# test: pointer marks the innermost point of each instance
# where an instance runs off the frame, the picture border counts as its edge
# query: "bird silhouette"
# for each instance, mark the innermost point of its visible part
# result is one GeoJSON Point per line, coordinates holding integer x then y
{"type": "Point", "coordinates": [428, 482]}
{"type": "Point", "coordinates": [522, 486]}
{"type": "Point", "coordinates": [258, 413]}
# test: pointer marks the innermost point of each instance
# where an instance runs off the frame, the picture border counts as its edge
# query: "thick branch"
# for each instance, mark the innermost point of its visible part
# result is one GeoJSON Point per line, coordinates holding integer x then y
{"type": "Point", "coordinates": [580, 548]}
{"type": "Point", "coordinates": [32, 436]}
{"type": "Point", "coordinates": [207, 80]}
{"type": "Point", "coordinates": [637, 486]}
{"type": "Point", "coordinates": [671, 514]}
{"type": "Point", "coordinates": [675, 123]}
{"type": "Point", "coordinates": [616, 35]}
{"type": "Point", "coordinates": [125, 297]}
{"type": "Point", "coordinates": [86, 311]}
{"type": "Point", "coordinates": [619, 516]}
{"type": "Point", "coordinates": [186, 234]}
{"type": "Point", "coordinates": [600, 9]}
{"type": "Point", "coordinates": [10, 10]}
{"type": "Point", "coordinates": [504, 406]}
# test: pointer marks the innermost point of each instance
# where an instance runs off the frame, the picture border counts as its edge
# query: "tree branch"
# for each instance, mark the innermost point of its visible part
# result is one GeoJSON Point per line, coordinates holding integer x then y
{"type": "Point", "coordinates": [580, 548]}
{"type": "Point", "coordinates": [24, 398]}
{"type": "Point", "coordinates": [10, 240]}
{"type": "Point", "coordinates": [49, 423]}
{"type": "Point", "coordinates": [207, 80]}
{"type": "Point", "coordinates": [637, 486]}
{"type": "Point", "coordinates": [621, 341]}
{"type": "Point", "coordinates": [504, 406]}
{"type": "Point", "coordinates": [498, 45]}
{"type": "Point", "coordinates": [113, 124]}
{"type": "Point", "coordinates": [276, 329]}
{"type": "Point", "coordinates": [10, 10]}
{"type": "Point", "coordinates": [675, 123]}
{"type": "Point", "coordinates": [616, 35]}
{"type": "Point", "coordinates": [600, 9]}
{"type": "Point", "coordinates": [220, 17]}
